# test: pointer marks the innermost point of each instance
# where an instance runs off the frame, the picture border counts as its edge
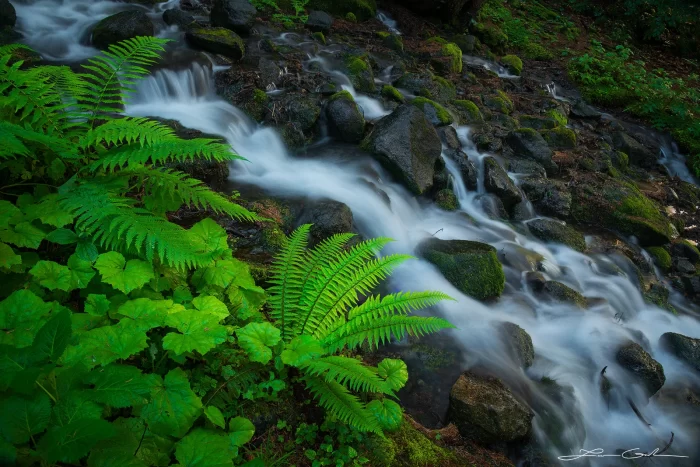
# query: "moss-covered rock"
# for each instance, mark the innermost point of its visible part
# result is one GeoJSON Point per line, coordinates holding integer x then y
{"type": "Point", "coordinates": [450, 59]}
{"type": "Point", "coordinates": [497, 181]}
{"type": "Point", "coordinates": [391, 41]}
{"type": "Point", "coordinates": [620, 160]}
{"type": "Point", "coordinates": [556, 232]}
{"type": "Point", "coordinates": [550, 197]}
{"type": "Point", "coordinates": [682, 248]}
{"type": "Point", "coordinates": [472, 267]}
{"type": "Point", "coordinates": [557, 116]}
{"type": "Point", "coordinates": [528, 143]}
{"type": "Point", "coordinates": [632, 357]}
{"type": "Point", "coordinates": [360, 73]}
{"type": "Point", "coordinates": [560, 137]}
{"type": "Point", "coordinates": [446, 199]}
{"type": "Point", "coordinates": [411, 448]}
{"type": "Point", "coordinates": [492, 36]}
{"type": "Point", "coordinates": [351, 17]}
{"type": "Point", "coordinates": [500, 102]}
{"type": "Point", "coordinates": [537, 123]}
{"type": "Point", "coordinates": [661, 257]}
{"type": "Point", "coordinates": [519, 343]}
{"type": "Point", "coordinates": [391, 93]}
{"type": "Point", "coordinates": [685, 348]}
{"type": "Point", "coordinates": [434, 112]}
{"type": "Point", "coordinates": [217, 40]}
{"type": "Point", "coordinates": [361, 9]}
{"type": "Point", "coordinates": [345, 119]}
{"type": "Point", "coordinates": [468, 112]}
{"type": "Point", "coordinates": [427, 85]}
{"type": "Point", "coordinates": [319, 37]}
{"type": "Point", "coordinates": [557, 292]}
{"type": "Point", "coordinates": [513, 64]}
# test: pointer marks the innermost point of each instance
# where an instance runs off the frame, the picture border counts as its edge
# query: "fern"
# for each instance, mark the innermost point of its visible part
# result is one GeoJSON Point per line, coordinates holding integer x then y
{"type": "Point", "coordinates": [336, 398]}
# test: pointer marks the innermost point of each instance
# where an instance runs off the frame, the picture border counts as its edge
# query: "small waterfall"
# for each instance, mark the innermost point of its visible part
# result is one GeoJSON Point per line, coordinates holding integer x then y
{"type": "Point", "coordinates": [388, 21]}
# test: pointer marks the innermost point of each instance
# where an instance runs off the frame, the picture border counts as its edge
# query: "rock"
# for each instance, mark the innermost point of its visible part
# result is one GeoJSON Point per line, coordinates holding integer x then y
{"type": "Point", "coordinates": [513, 64]}
{"type": "Point", "coordinates": [319, 21]}
{"type": "Point", "coordinates": [497, 181]}
{"type": "Point", "coordinates": [408, 146]}
{"type": "Point", "coordinates": [684, 249]}
{"type": "Point", "coordinates": [537, 123]}
{"type": "Point", "coordinates": [485, 411]}
{"type": "Point", "coordinates": [692, 286]}
{"type": "Point", "coordinates": [121, 26]}
{"type": "Point", "coordinates": [528, 143]}
{"type": "Point", "coordinates": [632, 357]}
{"type": "Point", "coordinates": [345, 119]}
{"type": "Point", "coordinates": [466, 167]}
{"type": "Point", "coordinates": [556, 232]}
{"type": "Point", "coordinates": [535, 280]}
{"type": "Point", "coordinates": [8, 15]}
{"type": "Point", "coordinates": [549, 197]}
{"type": "Point", "coordinates": [175, 16]}
{"type": "Point", "coordinates": [519, 343]}
{"type": "Point", "coordinates": [448, 136]}
{"type": "Point", "coordinates": [217, 40]}
{"type": "Point", "coordinates": [303, 111]}
{"type": "Point", "coordinates": [236, 15]}
{"type": "Point", "coordinates": [684, 347]}
{"type": "Point", "coordinates": [391, 41]}
{"type": "Point", "coordinates": [435, 113]}
{"type": "Point", "coordinates": [362, 10]}
{"type": "Point", "coordinates": [560, 138]}
{"type": "Point", "coordinates": [468, 112]}
{"type": "Point", "coordinates": [446, 199]}
{"type": "Point", "coordinates": [582, 110]}
{"type": "Point", "coordinates": [683, 266]}
{"type": "Point", "coordinates": [360, 73]}
{"type": "Point", "coordinates": [492, 206]}
{"type": "Point", "coordinates": [270, 73]}
{"type": "Point", "coordinates": [465, 42]}
{"type": "Point", "coordinates": [328, 218]}
{"type": "Point", "coordinates": [472, 267]}
{"type": "Point", "coordinates": [393, 94]}
{"type": "Point", "coordinates": [498, 103]}
{"type": "Point", "coordinates": [557, 292]}
{"type": "Point", "coordinates": [426, 85]}
{"type": "Point", "coordinates": [526, 167]}
{"type": "Point", "coordinates": [638, 154]}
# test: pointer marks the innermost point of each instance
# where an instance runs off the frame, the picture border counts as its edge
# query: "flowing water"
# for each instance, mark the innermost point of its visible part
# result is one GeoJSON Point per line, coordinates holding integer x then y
{"type": "Point", "coordinates": [571, 346]}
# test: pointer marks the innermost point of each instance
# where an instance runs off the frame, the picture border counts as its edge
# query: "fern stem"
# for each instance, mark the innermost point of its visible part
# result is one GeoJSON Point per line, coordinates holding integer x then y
{"type": "Point", "coordinates": [47, 392]}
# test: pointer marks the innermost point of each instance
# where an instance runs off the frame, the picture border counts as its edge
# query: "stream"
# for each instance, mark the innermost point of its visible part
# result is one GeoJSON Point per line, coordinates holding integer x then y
{"type": "Point", "coordinates": [571, 346]}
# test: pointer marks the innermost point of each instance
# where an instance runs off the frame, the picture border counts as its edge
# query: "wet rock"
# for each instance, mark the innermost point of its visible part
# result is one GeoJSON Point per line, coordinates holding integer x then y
{"type": "Point", "coordinates": [492, 206]}
{"type": "Point", "coordinates": [391, 41]}
{"type": "Point", "coordinates": [361, 9]}
{"type": "Point", "coordinates": [486, 140]}
{"type": "Point", "coordinates": [684, 249]}
{"type": "Point", "coordinates": [472, 267]}
{"type": "Point", "coordinates": [270, 72]}
{"type": "Point", "coordinates": [465, 42]}
{"type": "Point", "coordinates": [328, 218]}
{"type": "Point", "coordinates": [435, 113]}
{"type": "Point", "coordinates": [448, 136]}
{"type": "Point", "coordinates": [523, 211]}
{"type": "Point", "coordinates": [466, 168]}
{"type": "Point", "coordinates": [638, 154]}
{"type": "Point", "coordinates": [446, 199]}
{"type": "Point", "coordinates": [535, 280]}
{"type": "Point", "coordinates": [557, 292]}
{"type": "Point", "coordinates": [236, 15]}
{"type": "Point", "coordinates": [122, 26]}
{"type": "Point", "coordinates": [345, 119]}
{"type": "Point", "coordinates": [182, 19]}
{"type": "Point", "coordinates": [426, 85]}
{"type": "Point", "coordinates": [360, 73]}
{"type": "Point", "coordinates": [497, 181]}
{"type": "Point", "coordinates": [217, 40]}
{"type": "Point", "coordinates": [537, 123]}
{"type": "Point", "coordinates": [582, 110]}
{"type": "Point", "coordinates": [319, 21]}
{"type": "Point", "coordinates": [528, 143]}
{"type": "Point", "coordinates": [303, 111]}
{"type": "Point", "coordinates": [8, 15]}
{"type": "Point", "coordinates": [692, 286]}
{"type": "Point", "coordinates": [549, 197]}
{"type": "Point", "coordinates": [632, 357]}
{"type": "Point", "coordinates": [526, 167]}
{"type": "Point", "coordinates": [519, 258]}
{"type": "Point", "coordinates": [485, 411]}
{"type": "Point", "coordinates": [683, 266]}
{"type": "Point", "coordinates": [468, 112]}
{"type": "Point", "coordinates": [684, 347]}
{"type": "Point", "coordinates": [407, 145]}
{"type": "Point", "coordinates": [556, 232]}
{"type": "Point", "coordinates": [519, 343]}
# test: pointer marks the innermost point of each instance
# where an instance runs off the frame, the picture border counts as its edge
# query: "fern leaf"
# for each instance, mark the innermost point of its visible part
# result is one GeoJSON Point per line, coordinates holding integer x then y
{"type": "Point", "coordinates": [14, 137]}
{"type": "Point", "coordinates": [322, 256]}
{"type": "Point", "coordinates": [349, 372]}
{"type": "Point", "coordinates": [128, 130]}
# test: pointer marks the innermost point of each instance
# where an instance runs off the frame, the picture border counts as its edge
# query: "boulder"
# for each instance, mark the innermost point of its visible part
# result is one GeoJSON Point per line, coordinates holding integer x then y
{"type": "Point", "coordinates": [683, 266]}
{"type": "Point", "coordinates": [182, 19]}
{"type": "Point", "coordinates": [472, 267]}
{"type": "Point", "coordinates": [319, 21]}
{"type": "Point", "coordinates": [8, 15]}
{"type": "Point", "coordinates": [236, 15]}
{"type": "Point", "coordinates": [302, 110]}
{"type": "Point", "coordinates": [638, 154]}
{"type": "Point", "coordinates": [519, 343]}
{"type": "Point", "coordinates": [408, 146]}
{"type": "Point", "coordinates": [549, 197]}
{"type": "Point", "coordinates": [465, 42]}
{"type": "Point", "coordinates": [217, 40]}
{"type": "Point", "coordinates": [537, 123]}
{"type": "Point", "coordinates": [526, 167]}
{"type": "Point", "coordinates": [447, 200]}
{"type": "Point", "coordinates": [435, 113]}
{"type": "Point", "coordinates": [345, 119]}
{"type": "Point", "coordinates": [448, 136]}
{"type": "Point", "coordinates": [485, 411]}
{"type": "Point", "coordinates": [582, 110]}
{"type": "Point", "coordinates": [497, 181]}
{"type": "Point", "coordinates": [633, 358]}
{"type": "Point", "coordinates": [554, 291]}
{"type": "Point", "coordinates": [560, 137]}
{"type": "Point", "coordinates": [121, 26]}
{"type": "Point", "coordinates": [467, 168]}
{"type": "Point", "coordinates": [327, 218]}
{"type": "Point", "coordinates": [529, 144]}
{"type": "Point", "coordinates": [556, 232]}
{"type": "Point", "coordinates": [684, 347]}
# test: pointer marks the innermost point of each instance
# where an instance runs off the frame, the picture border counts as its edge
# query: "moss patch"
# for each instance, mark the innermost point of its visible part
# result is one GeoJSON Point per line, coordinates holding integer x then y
{"type": "Point", "coordinates": [513, 63]}
{"type": "Point", "coordinates": [446, 200]}
{"type": "Point", "coordinates": [390, 92]}
{"type": "Point", "coordinates": [360, 73]}
{"type": "Point", "coordinates": [351, 17]}
{"type": "Point", "coordinates": [560, 137]}
{"type": "Point", "coordinates": [469, 112]}
{"type": "Point", "coordinates": [500, 102]}
{"type": "Point", "coordinates": [414, 449]}
{"type": "Point", "coordinates": [661, 257]}
{"type": "Point", "coordinates": [342, 95]}
{"type": "Point", "coordinates": [435, 113]}
{"type": "Point", "coordinates": [319, 37]}
{"type": "Point", "coordinates": [454, 53]}
{"type": "Point", "coordinates": [559, 117]}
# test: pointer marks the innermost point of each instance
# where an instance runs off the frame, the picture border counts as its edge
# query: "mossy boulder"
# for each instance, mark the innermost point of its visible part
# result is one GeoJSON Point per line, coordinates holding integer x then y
{"type": "Point", "coordinates": [361, 9]}
{"type": "Point", "coordinates": [217, 40]}
{"type": "Point", "coordinates": [498, 103]}
{"type": "Point", "coordinates": [685, 348]}
{"type": "Point", "coordinates": [620, 160]}
{"type": "Point", "coordinates": [558, 116]}
{"type": "Point", "coordinates": [472, 267]}
{"type": "Point", "coordinates": [427, 85]}
{"type": "Point", "coordinates": [319, 37]}
{"type": "Point", "coordinates": [360, 73]}
{"type": "Point", "coordinates": [555, 291]}
{"type": "Point", "coordinates": [434, 112]}
{"type": "Point", "coordinates": [465, 42]}
{"type": "Point", "coordinates": [485, 411]}
{"type": "Point", "coordinates": [638, 154]}
{"type": "Point", "coordinates": [560, 138]}
{"type": "Point", "coordinates": [409, 447]}
{"type": "Point", "coordinates": [236, 15]}
{"type": "Point", "coordinates": [391, 93]}
{"type": "Point", "coordinates": [121, 26]}
{"type": "Point", "coordinates": [391, 41]}
{"type": "Point", "coordinates": [345, 119]}
{"type": "Point", "coordinates": [492, 36]}
{"type": "Point", "coordinates": [468, 112]}
{"type": "Point", "coordinates": [556, 232]}
{"type": "Point", "coordinates": [497, 181]}
{"type": "Point", "coordinates": [518, 343]}
{"type": "Point", "coordinates": [537, 123]}
{"type": "Point", "coordinates": [446, 199]}
{"type": "Point", "coordinates": [529, 144]}
{"type": "Point", "coordinates": [450, 59]}
{"type": "Point", "coordinates": [661, 257]}
{"type": "Point", "coordinates": [633, 358]}
{"type": "Point", "coordinates": [549, 197]}
{"type": "Point", "coordinates": [513, 64]}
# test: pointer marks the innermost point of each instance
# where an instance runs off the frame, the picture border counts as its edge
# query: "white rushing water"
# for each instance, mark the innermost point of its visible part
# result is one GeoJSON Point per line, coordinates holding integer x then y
{"type": "Point", "coordinates": [572, 346]}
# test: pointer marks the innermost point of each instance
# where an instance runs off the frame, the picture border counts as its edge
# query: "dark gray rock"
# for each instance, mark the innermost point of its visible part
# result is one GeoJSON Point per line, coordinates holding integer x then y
{"type": "Point", "coordinates": [217, 40]}
{"type": "Point", "coordinates": [408, 146]}
{"type": "Point", "coordinates": [448, 136]}
{"type": "Point", "coordinates": [236, 15]}
{"type": "Point", "coordinates": [8, 15]}
{"type": "Point", "coordinates": [526, 167]}
{"type": "Point", "coordinates": [270, 73]}
{"type": "Point", "coordinates": [492, 206]}
{"type": "Point", "coordinates": [328, 218]}
{"type": "Point", "coordinates": [638, 154]}
{"type": "Point", "coordinates": [182, 19]}
{"type": "Point", "coordinates": [556, 232]}
{"type": "Point", "coordinates": [345, 119]}
{"type": "Point", "coordinates": [632, 357]}
{"type": "Point", "coordinates": [681, 249]}
{"type": "Point", "coordinates": [684, 347]}
{"type": "Point", "coordinates": [497, 181]}
{"type": "Point", "coordinates": [465, 42]}
{"type": "Point", "coordinates": [528, 143]}
{"type": "Point", "coordinates": [466, 167]}
{"type": "Point", "coordinates": [549, 197]}
{"type": "Point", "coordinates": [519, 343]}
{"type": "Point", "coordinates": [319, 21]}
{"type": "Point", "coordinates": [683, 266]}
{"type": "Point", "coordinates": [303, 111]}
{"type": "Point", "coordinates": [692, 286]}
{"type": "Point", "coordinates": [123, 25]}
{"type": "Point", "coordinates": [582, 110]}
{"type": "Point", "coordinates": [535, 280]}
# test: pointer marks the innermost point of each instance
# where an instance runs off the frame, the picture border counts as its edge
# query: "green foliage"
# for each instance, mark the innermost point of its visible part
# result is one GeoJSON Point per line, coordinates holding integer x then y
{"type": "Point", "coordinates": [289, 19]}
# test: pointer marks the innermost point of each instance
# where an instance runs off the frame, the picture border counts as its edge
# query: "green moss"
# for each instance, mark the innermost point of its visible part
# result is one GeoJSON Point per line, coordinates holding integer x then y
{"type": "Point", "coordinates": [455, 54]}
{"type": "Point", "coordinates": [391, 41]}
{"type": "Point", "coordinates": [470, 111]}
{"type": "Point", "coordinates": [319, 37]}
{"type": "Point", "coordinates": [526, 131]}
{"type": "Point", "coordinates": [513, 63]}
{"type": "Point", "coordinates": [492, 36]}
{"type": "Point", "coordinates": [446, 199]}
{"type": "Point", "coordinates": [445, 91]}
{"type": "Point", "coordinates": [380, 450]}
{"type": "Point", "coordinates": [560, 137]}
{"type": "Point", "coordinates": [661, 257]}
{"type": "Point", "coordinates": [383, 34]}
{"type": "Point", "coordinates": [351, 17]}
{"type": "Point", "coordinates": [500, 102]}
{"type": "Point", "coordinates": [414, 449]}
{"type": "Point", "coordinates": [537, 52]}
{"type": "Point", "coordinates": [557, 116]}
{"type": "Point", "coordinates": [360, 73]}
{"type": "Point", "coordinates": [390, 92]}
{"type": "Point", "coordinates": [361, 9]}
{"type": "Point", "coordinates": [218, 40]}
{"type": "Point", "coordinates": [257, 105]}
{"type": "Point", "coordinates": [260, 96]}
{"type": "Point", "coordinates": [620, 160]}
{"type": "Point", "coordinates": [341, 95]}
{"type": "Point", "coordinates": [442, 115]}
{"type": "Point", "coordinates": [437, 40]}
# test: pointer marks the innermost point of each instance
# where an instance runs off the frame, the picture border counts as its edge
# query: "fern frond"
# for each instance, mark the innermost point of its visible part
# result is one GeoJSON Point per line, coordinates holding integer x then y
{"type": "Point", "coordinates": [14, 137]}
{"type": "Point", "coordinates": [338, 401]}
{"type": "Point", "coordinates": [128, 130]}
{"type": "Point", "coordinates": [349, 372]}
{"type": "Point", "coordinates": [286, 279]}
{"type": "Point", "coordinates": [322, 256]}
{"type": "Point", "coordinates": [9, 49]}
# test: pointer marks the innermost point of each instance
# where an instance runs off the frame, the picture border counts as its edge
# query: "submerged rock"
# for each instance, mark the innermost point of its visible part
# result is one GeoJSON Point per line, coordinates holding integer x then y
{"type": "Point", "coordinates": [217, 40]}
{"type": "Point", "coordinates": [121, 26]}
{"type": "Point", "coordinates": [497, 181]}
{"type": "Point", "coordinates": [684, 347]}
{"type": "Point", "coordinates": [408, 146]}
{"type": "Point", "coordinates": [528, 143]}
{"type": "Point", "coordinates": [556, 232]}
{"type": "Point", "coordinates": [632, 357]}
{"type": "Point", "coordinates": [472, 267]}
{"type": "Point", "coordinates": [485, 411]}
{"type": "Point", "coordinates": [557, 292]}
{"type": "Point", "coordinates": [345, 119]}
{"type": "Point", "coordinates": [519, 343]}
{"type": "Point", "coordinates": [236, 15]}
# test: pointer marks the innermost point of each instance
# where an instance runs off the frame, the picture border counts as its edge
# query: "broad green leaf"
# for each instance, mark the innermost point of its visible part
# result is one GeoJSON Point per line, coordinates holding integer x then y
{"type": "Point", "coordinates": [394, 371]}
{"type": "Point", "coordinates": [211, 305]}
{"type": "Point", "coordinates": [387, 412]}
{"type": "Point", "coordinates": [132, 434]}
{"type": "Point", "coordinates": [301, 349]}
{"type": "Point", "coordinates": [53, 337]}
{"type": "Point", "coordinates": [56, 170]}
{"type": "Point", "coordinates": [21, 316]}
{"type": "Point", "coordinates": [29, 259]}
{"type": "Point", "coordinates": [107, 344]}
{"type": "Point", "coordinates": [219, 274]}
{"type": "Point", "coordinates": [200, 331]}
{"type": "Point", "coordinates": [246, 299]}
{"type": "Point", "coordinates": [74, 406]}
{"type": "Point", "coordinates": [215, 416]}
{"type": "Point", "coordinates": [174, 407]}
{"type": "Point", "coordinates": [49, 212]}
{"type": "Point", "coordinates": [182, 295]}
{"type": "Point", "coordinates": [86, 250]}
{"type": "Point", "coordinates": [8, 257]}
{"type": "Point", "coordinates": [147, 313]}
{"type": "Point", "coordinates": [167, 278]}
{"type": "Point", "coordinates": [256, 339]}
{"type": "Point", "coordinates": [8, 214]}
{"type": "Point", "coordinates": [52, 275]}
{"type": "Point", "coordinates": [204, 448]}
{"type": "Point", "coordinates": [240, 431]}
{"type": "Point", "coordinates": [72, 442]}
{"type": "Point", "coordinates": [13, 362]}
{"type": "Point", "coordinates": [213, 235]}
{"type": "Point", "coordinates": [83, 322]}
{"type": "Point", "coordinates": [123, 275]}
{"type": "Point", "coordinates": [21, 418]}
{"type": "Point", "coordinates": [81, 272]}
{"type": "Point", "coordinates": [120, 386]}
{"type": "Point", "coordinates": [114, 458]}
{"type": "Point", "coordinates": [24, 235]}
{"type": "Point", "coordinates": [62, 237]}
{"type": "Point", "coordinates": [97, 305]}
{"type": "Point", "coordinates": [8, 453]}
